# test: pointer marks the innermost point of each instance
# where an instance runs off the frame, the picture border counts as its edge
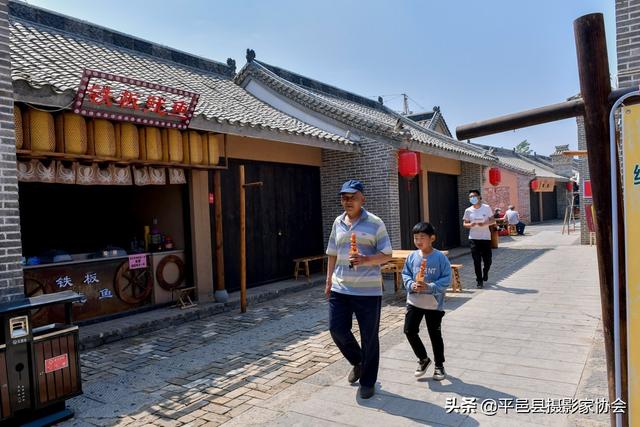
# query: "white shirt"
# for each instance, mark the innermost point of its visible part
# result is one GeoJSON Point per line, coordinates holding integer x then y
{"type": "Point", "coordinates": [478, 215]}
{"type": "Point", "coordinates": [512, 217]}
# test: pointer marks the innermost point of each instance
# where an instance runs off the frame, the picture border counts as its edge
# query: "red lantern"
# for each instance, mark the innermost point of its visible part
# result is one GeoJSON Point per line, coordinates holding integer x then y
{"type": "Point", "coordinates": [495, 176]}
{"type": "Point", "coordinates": [570, 186]}
{"type": "Point", "coordinates": [408, 164]}
{"type": "Point", "coordinates": [534, 184]}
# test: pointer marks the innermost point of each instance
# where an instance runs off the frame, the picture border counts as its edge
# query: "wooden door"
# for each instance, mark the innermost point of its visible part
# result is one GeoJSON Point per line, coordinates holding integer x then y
{"type": "Point", "coordinates": [443, 209]}
{"type": "Point", "coordinates": [284, 220]}
{"type": "Point", "coordinates": [410, 212]}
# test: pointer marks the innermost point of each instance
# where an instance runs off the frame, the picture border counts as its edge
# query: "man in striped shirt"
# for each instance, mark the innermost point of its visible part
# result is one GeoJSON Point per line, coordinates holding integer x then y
{"type": "Point", "coordinates": [354, 284]}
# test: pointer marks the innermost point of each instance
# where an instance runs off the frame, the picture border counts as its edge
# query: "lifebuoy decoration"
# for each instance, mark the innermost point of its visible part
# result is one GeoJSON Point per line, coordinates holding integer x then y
{"type": "Point", "coordinates": [408, 164]}
{"type": "Point", "coordinates": [160, 273]}
{"type": "Point", "coordinates": [495, 177]}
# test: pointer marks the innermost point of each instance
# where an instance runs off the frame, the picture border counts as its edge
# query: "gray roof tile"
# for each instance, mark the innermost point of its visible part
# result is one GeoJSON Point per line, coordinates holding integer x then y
{"type": "Point", "coordinates": [51, 59]}
{"type": "Point", "coordinates": [354, 110]}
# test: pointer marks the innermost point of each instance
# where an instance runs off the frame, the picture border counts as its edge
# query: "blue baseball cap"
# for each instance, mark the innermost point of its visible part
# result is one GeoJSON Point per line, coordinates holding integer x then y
{"type": "Point", "coordinates": [352, 186]}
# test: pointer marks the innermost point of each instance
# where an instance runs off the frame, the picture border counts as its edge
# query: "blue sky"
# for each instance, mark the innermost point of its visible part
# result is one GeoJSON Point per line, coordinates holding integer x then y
{"type": "Point", "coordinates": [474, 59]}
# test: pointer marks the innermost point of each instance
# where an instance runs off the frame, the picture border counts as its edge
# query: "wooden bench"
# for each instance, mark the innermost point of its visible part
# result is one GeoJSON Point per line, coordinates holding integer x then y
{"type": "Point", "coordinates": [305, 261]}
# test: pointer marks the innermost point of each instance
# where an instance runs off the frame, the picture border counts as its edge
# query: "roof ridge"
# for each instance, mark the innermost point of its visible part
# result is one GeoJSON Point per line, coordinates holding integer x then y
{"type": "Point", "coordinates": [45, 18]}
{"type": "Point", "coordinates": [328, 88]}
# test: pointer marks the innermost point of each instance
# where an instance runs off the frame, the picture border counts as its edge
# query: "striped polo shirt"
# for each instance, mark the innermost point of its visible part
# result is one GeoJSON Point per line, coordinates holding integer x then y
{"type": "Point", "coordinates": [371, 238]}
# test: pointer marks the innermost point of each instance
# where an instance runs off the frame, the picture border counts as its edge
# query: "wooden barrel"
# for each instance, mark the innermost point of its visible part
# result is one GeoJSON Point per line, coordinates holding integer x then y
{"type": "Point", "coordinates": [102, 138]}
{"type": "Point", "coordinates": [71, 133]}
{"type": "Point", "coordinates": [127, 141]}
{"type": "Point", "coordinates": [211, 148]}
{"type": "Point", "coordinates": [17, 121]}
{"type": "Point", "coordinates": [192, 142]}
{"type": "Point", "coordinates": [151, 144]}
{"type": "Point", "coordinates": [40, 132]}
{"type": "Point", "coordinates": [172, 146]}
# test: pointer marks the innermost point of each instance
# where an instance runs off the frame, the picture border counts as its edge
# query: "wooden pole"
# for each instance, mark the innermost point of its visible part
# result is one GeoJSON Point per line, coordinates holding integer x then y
{"type": "Point", "coordinates": [243, 245]}
{"type": "Point", "coordinates": [243, 240]}
{"type": "Point", "coordinates": [217, 192]}
{"type": "Point", "coordinates": [595, 87]}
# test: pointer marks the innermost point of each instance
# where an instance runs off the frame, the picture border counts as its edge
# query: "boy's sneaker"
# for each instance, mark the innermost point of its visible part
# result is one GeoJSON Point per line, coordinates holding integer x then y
{"type": "Point", "coordinates": [422, 367]}
{"type": "Point", "coordinates": [439, 373]}
{"type": "Point", "coordinates": [355, 373]}
{"type": "Point", "coordinates": [485, 276]}
{"type": "Point", "coordinates": [479, 284]}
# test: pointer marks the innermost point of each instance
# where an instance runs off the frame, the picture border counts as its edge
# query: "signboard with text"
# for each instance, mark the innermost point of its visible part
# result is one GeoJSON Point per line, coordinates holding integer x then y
{"type": "Point", "coordinates": [113, 97]}
{"type": "Point", "coordinates": [631, 184]}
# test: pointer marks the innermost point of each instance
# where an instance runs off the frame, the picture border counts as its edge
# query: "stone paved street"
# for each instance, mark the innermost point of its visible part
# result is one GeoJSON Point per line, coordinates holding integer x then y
{"type": "Point", "coordinates": [528, 335]}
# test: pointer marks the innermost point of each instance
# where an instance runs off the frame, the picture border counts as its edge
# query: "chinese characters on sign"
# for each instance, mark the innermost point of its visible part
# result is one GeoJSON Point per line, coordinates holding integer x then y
{"type": "Point", "coordinates": [109, 96]}
{"type": "Point", "coordinates": [91, 278]}
{"type": "Point", "coordinates": [137, 261]}
{"type": "Point", "coordinates": [64, 282]}
{"type": "Point", "coordinates": [491, 407]}
{"type": "Point", "coordinates": [105, 293]}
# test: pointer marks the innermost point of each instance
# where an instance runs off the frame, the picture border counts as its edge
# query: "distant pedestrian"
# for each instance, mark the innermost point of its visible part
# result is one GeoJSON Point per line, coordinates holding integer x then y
{"type": "Point", "coordinates": [513, 218]}
{"type": "Point", "coordinates": [426, 276]}
{"type": "Point", "coordinates": [354, 284]}
{"type": "Point", "coordinates": [478, 218]}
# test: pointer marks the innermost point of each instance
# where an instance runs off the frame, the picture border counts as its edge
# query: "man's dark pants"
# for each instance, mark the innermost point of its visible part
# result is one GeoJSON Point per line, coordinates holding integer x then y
{"type": "Point", "coordinates": [480, 251]}
{"type": "Point", "coordinates": [367, 310]}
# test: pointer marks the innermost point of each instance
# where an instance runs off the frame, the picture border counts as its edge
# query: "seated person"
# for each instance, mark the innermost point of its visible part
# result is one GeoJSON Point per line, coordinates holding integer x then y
{"type": "Point", "coordinates": [513, 218]}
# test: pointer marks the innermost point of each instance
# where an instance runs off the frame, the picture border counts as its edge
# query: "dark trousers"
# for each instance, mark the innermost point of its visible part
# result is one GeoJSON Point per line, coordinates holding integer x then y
{"type": "Point", "coordinates": [520, 228]}
{"type": "Point", "coordinates": [481, 252]}
{"type": "Point", "coordinates": [433, 319]}
{"type": "Point", "coordinates": [367, 310]}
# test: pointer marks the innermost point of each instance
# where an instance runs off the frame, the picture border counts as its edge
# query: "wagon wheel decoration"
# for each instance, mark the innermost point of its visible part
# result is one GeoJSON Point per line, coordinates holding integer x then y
{"type": "Point", "coordinates": [133, 286]}
{"type": "Point", "coordinates": [33, 287]}
{"type": "Point", "coordinates": [160, 273]}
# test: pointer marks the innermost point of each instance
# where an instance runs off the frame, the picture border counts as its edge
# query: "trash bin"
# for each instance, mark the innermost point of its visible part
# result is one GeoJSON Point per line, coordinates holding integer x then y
{"type": "Point", "coordinates": [39, 367]}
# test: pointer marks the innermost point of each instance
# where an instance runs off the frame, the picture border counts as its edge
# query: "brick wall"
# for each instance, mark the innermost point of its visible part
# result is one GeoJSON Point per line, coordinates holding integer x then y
{"type": "Point", "coordinates": [628, 42]}
{"type": "Point", "coordinates": [377, 168]}
{"type": "Point", "coordinates": [470, 178]}
{"type": "Point", "coordinates": [10, 247]}
{"type": "Point", "coordinates": [524, 200]}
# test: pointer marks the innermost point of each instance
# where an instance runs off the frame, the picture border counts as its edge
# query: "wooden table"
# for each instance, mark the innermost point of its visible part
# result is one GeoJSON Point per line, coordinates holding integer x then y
{"type": "Point", "coordinates": [398, 258]}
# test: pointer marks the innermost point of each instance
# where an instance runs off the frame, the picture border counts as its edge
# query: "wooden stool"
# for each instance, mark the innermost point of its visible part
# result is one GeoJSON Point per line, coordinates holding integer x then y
{"type": "Point", "coordinates": [392, 267]}
{"type": "Point", "coordinates": [512, 230]}
{"type": "Point", "coordinates": [184, 299]}
{"type": "Point", "coordinates": [456, 281]}
{"type": "Point", "coordinates": [592, 238]}
{"type": "Point", "coordinates": [305, 260]}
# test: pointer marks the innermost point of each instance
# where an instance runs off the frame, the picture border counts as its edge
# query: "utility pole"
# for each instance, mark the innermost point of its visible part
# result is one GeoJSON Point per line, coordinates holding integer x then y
{"type": "Point", "coordinates": [405, 104]}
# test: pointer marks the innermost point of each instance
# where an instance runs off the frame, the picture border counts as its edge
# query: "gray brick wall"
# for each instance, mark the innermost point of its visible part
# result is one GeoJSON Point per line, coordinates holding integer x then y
{"type": "Point", "coordinates": [584, 174]}
{"type": "Point", "coordinates": [11, 287]}
{"type": "Point", "coordinates": [524, 199]}
{"type": "Point", "coordinates": [471, 177]}
{"type": "Point", "coordinates": [628, 42]}
{"type": "Point", "coordinates": [377, 168]}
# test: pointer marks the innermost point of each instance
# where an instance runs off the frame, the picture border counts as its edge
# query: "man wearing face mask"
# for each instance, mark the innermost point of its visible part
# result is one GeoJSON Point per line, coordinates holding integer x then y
{"type": "Point", "coordinates": [478, 218]}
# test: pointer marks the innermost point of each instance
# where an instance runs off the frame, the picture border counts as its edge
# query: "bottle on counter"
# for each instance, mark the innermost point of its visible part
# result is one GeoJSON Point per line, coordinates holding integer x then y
{"type": "Point", "coordinates": [147, 237]}
{"type": "Point", "coordinates": [168, 243]}
{"type": "Point", "coordinates": [156, 237]}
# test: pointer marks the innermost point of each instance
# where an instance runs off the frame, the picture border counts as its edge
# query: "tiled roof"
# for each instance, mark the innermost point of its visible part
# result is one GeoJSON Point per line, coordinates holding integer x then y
{"type": "Point", "coordinates": [355, 111]}
{"type": "Point", "coordinates": [522, 163]}
{"type": "Point", "coordinates": [49, 52]}
{"type": "Point", "coordinates": [430, 120]}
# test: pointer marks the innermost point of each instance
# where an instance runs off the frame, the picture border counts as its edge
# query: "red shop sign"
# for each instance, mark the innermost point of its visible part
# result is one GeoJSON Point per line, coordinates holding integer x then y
{"type": "Point", "coordinates": [56, 363]}
{"type": "Point", "coordinates": [113, 97]}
